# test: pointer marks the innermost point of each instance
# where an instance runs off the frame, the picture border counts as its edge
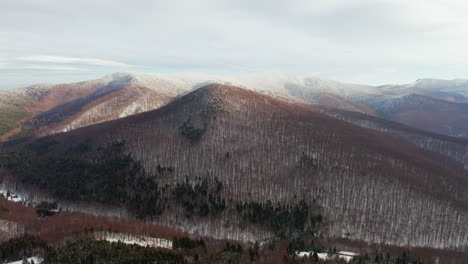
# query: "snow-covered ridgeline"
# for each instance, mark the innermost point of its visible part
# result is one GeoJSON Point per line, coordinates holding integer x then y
{"type": "Point", "coordinates": [144, 241]}
{"type": "Point", "coordinates": [271, 82]}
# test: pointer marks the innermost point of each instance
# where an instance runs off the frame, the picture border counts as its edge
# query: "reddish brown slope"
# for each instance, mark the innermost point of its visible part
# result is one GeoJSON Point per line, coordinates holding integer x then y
{"type": "Point", "coordinates": [100, 107]}
{"type": "Point", "coordinates": [427, 113]}
{"type": "Point", "coordinates": [37, 99]}
{"type": "Point", "coordinates": [67, 225]}
{"type": "Point", "coordinates": [61, 94]}
{"type": "Point", "coordinates": [371, 186]}
{"type": "Point", "coordinates": [335, 101]}
{"type": "Point", "coordinates": [453, 147]}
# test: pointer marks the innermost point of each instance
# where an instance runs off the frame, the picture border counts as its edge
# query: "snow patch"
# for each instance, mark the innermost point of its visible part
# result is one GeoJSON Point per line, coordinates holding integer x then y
{"type": "Point", "coordinates": [346, 255]}
{"type": "Point", "coordinates": [11, 196]}
{"type": "Point", "coordinates": [36, 259]}
{"type": "Point", "coordinates": [144, 241]}
{"type": "Point", "coordinates": [308, 254]}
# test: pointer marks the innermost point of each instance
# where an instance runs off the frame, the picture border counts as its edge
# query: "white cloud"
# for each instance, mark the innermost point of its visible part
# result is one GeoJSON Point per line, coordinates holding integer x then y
{"type": "Point", "coordinates": [11, 65]}
{"type": "Point", "coordinates": [3, 64]}
{"type": "Point", "coordinates": [73, 60]}
{"type": "Point", "coordinates": [344, 39]}
{"type": "Point", "coordinates": [52, 67]}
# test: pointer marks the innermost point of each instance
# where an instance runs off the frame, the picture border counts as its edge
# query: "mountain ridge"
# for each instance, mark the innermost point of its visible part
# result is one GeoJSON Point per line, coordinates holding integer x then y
{"type": "Point", "coordinates": [65, 107]}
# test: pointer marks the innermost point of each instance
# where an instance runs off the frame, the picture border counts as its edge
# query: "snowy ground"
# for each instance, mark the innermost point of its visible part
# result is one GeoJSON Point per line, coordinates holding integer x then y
{"type": "Point", "coordinates": [37, 260]}
{"type": "Point", "coordinates": [346, 255]}
{"type": "Point", "coordinates": [143, 241]}
{"type": "Point", "coordinates": [12, 196]}
{"type": "Point", "coordinates": [308, 254]}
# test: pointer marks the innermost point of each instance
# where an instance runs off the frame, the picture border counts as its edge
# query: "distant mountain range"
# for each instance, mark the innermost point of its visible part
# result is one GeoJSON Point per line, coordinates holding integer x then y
{"type": "Point", "coordinates": [65, 107]}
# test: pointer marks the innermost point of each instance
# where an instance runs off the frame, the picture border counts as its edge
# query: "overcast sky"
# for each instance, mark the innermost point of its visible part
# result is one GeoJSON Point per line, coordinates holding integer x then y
{"type": "Point", "coordinates": [360, 41]}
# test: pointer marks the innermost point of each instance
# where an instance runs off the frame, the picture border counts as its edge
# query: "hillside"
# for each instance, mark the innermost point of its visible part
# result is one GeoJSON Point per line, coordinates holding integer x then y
{"type": "Point", "coordinates": [452, 147]}
{"type": "Point", "coordinates": [426, 113]}
{"type": "Point", "coordinates": [18, 106]}
{"type": "Point", "coordinates": [121, 97]}
{"type": "Point", "coordinates": [231, 163]}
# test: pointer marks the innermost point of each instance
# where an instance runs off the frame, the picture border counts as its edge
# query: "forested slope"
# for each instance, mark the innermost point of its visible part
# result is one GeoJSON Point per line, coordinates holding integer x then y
{"type": "Point", "coordinates": [427, 113]}
{"type": "Point", "coordinates": [228, 162]}
{"type": "Point", "coordinates": [454, 148]}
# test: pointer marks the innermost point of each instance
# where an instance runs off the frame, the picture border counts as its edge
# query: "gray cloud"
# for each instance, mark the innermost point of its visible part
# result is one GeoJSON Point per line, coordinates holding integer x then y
{"type": "Point", "coordinates": [366, 41]}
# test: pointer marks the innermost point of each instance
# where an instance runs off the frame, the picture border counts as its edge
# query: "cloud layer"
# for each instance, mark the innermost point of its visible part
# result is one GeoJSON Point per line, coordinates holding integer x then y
{"type": "Point", "coordinates": [72, 60]}
{"type": "Point", "coordinates": [367, 41]}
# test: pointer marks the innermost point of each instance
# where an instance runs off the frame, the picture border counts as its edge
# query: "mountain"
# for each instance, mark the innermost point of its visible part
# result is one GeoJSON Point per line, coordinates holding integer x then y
{"type": "Point", "coordinates": [43, 97]}
{"type": "Point", "coordinates": [231, 163]}
{"type": "Point", "coordinates": [17, 106]}
{"type": "Point", "coordinates": [426, 113]}
{"type": "Point", "coordinates": [69, 106]}
{"type": "Point", "coordinates": [47, 109]}
{"type": "Point", "coordinates": [456, 89]}
{"type": "Point", "coordinates": [135, 93]}
{"type": "Point", "coordinates": [452, 147]}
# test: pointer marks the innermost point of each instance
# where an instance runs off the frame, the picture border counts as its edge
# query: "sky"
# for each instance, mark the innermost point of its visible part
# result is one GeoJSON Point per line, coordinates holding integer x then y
{"type": "Point", "coordinates": [359, 41]}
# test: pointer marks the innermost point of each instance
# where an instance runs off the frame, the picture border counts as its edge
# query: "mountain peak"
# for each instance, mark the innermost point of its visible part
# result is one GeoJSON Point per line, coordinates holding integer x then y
{"type": "Point", "coordinates": [219, 92]}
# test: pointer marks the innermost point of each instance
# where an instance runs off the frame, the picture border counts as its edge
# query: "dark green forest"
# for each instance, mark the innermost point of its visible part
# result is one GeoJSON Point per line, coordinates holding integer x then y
{"type": "Point", "coordinates": [91, 251]}
{"type": "Point", "coordinates": [109, 177]}
{"type": "Point", "coordinates": [287, 221]}
{"type": "Point", "coordinates": [85, 251]}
